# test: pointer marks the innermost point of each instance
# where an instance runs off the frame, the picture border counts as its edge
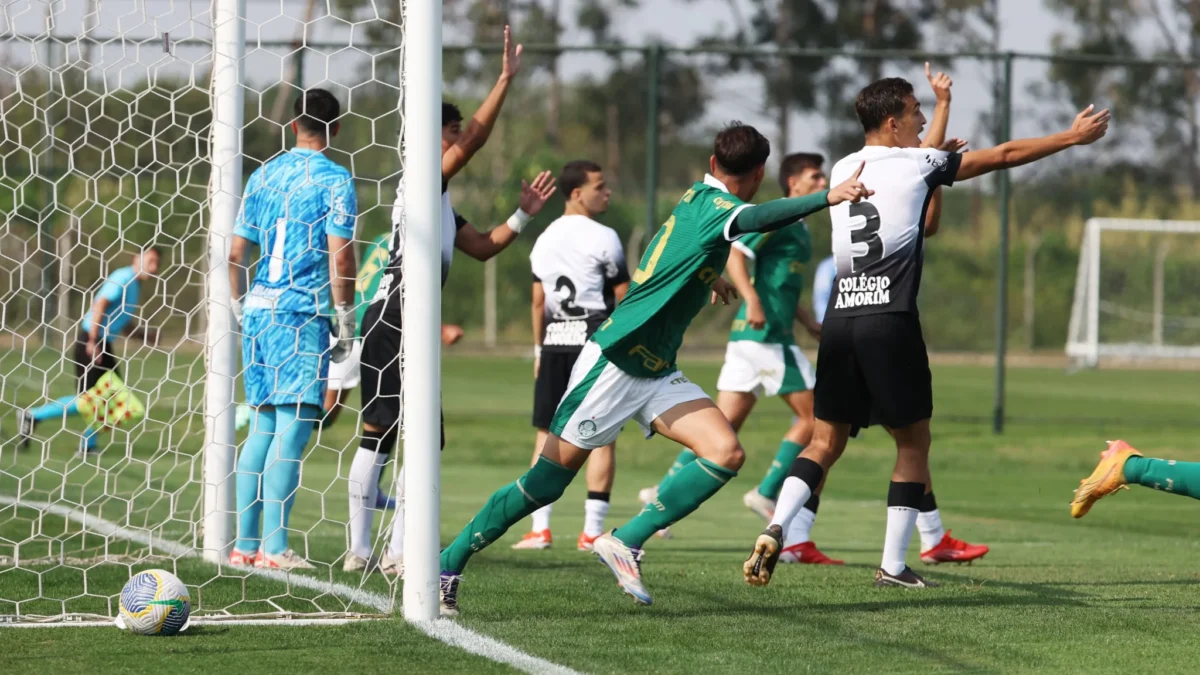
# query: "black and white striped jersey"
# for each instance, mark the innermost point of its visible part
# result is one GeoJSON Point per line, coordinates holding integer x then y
{"type": "Point", "coordinates": [878, 243]}
{"type": "Point", "coordinates": [578, 262]}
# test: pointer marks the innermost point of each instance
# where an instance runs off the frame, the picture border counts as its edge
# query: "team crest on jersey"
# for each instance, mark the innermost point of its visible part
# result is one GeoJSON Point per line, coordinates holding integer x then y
{"type": "Point", "coordinates": [587, 429]}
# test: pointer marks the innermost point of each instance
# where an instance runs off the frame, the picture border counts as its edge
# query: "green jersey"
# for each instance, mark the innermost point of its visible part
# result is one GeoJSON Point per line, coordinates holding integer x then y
{"type": "Point", "coordinates": [672, 283]}
{"type": "Point", "coordinates": [779, 259]}
{"type": "Point", "coordinates": [369, 274]}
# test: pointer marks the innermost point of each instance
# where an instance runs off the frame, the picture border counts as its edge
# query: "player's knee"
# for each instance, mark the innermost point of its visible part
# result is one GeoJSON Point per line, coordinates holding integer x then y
{"type": "Point", "coordinates": [727, 452]}
{"type": "Point", "coordinates": [546, 481]}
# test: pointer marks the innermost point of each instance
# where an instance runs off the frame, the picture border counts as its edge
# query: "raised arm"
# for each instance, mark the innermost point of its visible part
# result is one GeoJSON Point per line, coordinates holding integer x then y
{"type": "Point", "coordinates": [485, 245]}
{"type": "Point", "coordinates": [1088, 128]}
{"type": "Point", "coordinates": [780, 213]}
{"type": "Point", "coordinates": [479, 128]}
{"type": "Point", "coordinates": [941, 83]}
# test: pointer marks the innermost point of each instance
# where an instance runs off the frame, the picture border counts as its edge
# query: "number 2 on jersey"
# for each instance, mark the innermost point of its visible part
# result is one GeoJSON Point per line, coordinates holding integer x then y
{"type": "Point", "coordinates": [643, 273]}
{"type": "Point", "coordinates": [867, 234]}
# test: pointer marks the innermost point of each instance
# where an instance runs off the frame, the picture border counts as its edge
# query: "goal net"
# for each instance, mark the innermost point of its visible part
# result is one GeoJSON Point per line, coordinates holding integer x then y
{"type": "Point", "coordinates": [130, 124]}
{"type": "Point", "coordinates": [1136, 292]}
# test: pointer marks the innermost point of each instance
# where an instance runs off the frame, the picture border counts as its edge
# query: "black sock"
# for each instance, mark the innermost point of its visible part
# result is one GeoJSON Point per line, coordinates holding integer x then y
{"type": "Point", "coordinates": [599, 496]}
{"type": "Point", "coordinates": [906, 495]}
{"type": "Point", "coordinates": [808, 471]}
{"type": "Point", "coordinates": [813, 503]}
{"type": "Point", "coordinates": [928, 503]}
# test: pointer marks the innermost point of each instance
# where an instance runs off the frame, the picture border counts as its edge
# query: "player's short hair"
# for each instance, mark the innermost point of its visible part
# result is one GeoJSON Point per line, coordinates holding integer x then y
{"type": "Point", "coordinates": [740, 149]}
{"type": "Point", "coordinates": [795, 164]}
{"type": "Point", "coordinates": [575, 175]}
{"type": "Point", "coordinates": [450, 113]}
{"type": "Point", "coordinates": [315, 110]}
{"type": "Point", "coordinates": [880, 100]}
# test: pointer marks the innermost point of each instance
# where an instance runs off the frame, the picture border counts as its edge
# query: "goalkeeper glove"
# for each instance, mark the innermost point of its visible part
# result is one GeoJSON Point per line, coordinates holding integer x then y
{"type": "Point", "coordinates": [343, 332]}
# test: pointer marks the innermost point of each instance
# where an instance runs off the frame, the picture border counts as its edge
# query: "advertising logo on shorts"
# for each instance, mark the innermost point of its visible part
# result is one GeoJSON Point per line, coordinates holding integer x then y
{"type": "Point", "coordinates": [587, 429]}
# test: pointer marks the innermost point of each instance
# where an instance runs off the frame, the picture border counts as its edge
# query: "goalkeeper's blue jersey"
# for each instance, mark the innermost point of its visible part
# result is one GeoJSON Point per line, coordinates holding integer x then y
{"type": "Point", "coordinates": [291, 204]}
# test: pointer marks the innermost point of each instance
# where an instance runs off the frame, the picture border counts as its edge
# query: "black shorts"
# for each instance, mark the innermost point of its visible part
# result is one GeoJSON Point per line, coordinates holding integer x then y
{"type": "Point", "coordinates": [554, 373]}
{"type": "Point", "coordinates": [873, 369]}
{"type": "Point", "coordinates": [87, 371]}
{"type": "Point", "coordinates": [380, 365]}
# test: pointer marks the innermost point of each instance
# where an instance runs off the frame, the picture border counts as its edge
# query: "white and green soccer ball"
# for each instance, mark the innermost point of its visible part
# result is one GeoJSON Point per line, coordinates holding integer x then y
{"type": "Point", "coordinates": [154, 602]}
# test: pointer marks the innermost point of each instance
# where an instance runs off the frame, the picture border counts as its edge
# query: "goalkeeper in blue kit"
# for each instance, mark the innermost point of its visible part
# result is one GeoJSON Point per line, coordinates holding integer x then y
{"type": "Point", "coordinates": [299, 209]}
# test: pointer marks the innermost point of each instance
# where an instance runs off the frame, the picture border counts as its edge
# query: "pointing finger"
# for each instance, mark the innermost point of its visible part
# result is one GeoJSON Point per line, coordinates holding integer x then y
{"type": "Point", "coordinates": [858, 171]}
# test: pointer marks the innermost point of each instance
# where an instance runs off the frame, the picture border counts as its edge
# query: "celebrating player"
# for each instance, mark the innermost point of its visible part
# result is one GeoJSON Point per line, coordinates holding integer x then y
{"type": "Point", "coordinates": [579, 275]}
{"type": "Point", "coordinates": [627, 369]}
{"type": "Point", "coordinates": [299, 209]}
{"type": "Point", "coordinates": [872, 364]}
{"type": "Point", "coordinates": [382, 322]}
{"type": "Point", "coordinates": [111, 313]}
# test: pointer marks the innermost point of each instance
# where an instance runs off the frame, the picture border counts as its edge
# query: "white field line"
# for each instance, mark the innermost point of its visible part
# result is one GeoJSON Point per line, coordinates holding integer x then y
{"type": "Point", "coordinates": [443, 630]}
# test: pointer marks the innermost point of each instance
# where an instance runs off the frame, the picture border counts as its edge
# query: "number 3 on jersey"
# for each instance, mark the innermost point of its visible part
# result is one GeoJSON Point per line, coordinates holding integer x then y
{"type": "Point", "coordinates": [867, 234]}
{"type": "Point", "coordinates": [643, 273]}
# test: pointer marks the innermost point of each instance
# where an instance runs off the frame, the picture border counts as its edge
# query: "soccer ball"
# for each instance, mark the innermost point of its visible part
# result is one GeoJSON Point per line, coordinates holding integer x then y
{"type": "Point", "coordinates": [154, 602]}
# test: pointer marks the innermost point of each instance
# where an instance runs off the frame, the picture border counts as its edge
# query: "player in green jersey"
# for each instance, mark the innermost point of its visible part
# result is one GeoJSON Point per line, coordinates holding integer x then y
{"type": "Point", "coordinates": [627, 371]}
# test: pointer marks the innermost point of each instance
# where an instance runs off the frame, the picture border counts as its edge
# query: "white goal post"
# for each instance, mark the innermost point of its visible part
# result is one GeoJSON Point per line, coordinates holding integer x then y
{"type": "Point", "coordinates": [123, 128]}
{"type": "Point", "coordinates": [1122, 307]}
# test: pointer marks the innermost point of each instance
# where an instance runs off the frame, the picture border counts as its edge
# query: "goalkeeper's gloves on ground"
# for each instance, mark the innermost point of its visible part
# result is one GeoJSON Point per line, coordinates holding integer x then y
{"type": "Point", "coordinates": [344, 328]}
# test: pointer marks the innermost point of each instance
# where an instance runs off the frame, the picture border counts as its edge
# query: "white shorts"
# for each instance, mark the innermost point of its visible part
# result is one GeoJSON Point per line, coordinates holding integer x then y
{"type": "Point", "coordinates": [346, 375]}
{"type": "Point", "coordinates": [765, 369]}
{"type": "Point", "coordinates": [601, 398]}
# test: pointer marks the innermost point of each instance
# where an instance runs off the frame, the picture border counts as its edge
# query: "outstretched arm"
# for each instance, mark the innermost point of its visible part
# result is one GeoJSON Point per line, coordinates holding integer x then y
{"type": "Point", "coordinates": [780, 213]}
{"type": "Point", "coordinates": [479, 128]}
{"type": "Point", "coordinates": [485, 245]}
{"type": "Point", "coordinates": [941, 83]}
{"type": "Point", "coordinates": [1088, 128]}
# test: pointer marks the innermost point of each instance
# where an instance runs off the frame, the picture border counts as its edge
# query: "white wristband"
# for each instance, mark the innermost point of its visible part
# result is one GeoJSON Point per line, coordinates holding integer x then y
{"type": "Point", "coordinates": [518, 220]}
{"type": "Point", "coordinates": [537, 351]}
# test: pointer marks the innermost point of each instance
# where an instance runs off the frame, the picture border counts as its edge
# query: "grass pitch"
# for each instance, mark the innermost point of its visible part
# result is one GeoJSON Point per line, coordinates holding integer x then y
{"type": "Point", "coordinates": [1116, 591]}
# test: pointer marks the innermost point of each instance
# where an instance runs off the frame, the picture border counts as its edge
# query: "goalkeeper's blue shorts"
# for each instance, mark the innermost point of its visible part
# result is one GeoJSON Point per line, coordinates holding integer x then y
{"type": "Point", "coordinates": [286, 357]}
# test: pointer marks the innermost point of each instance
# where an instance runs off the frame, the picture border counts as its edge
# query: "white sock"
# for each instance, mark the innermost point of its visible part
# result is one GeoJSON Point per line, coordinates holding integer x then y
{"type": "Point", "coordinates": [396, 546]}
{"type": "Point", "coordinates": [800, 528]}
{"type": "Point", "coordinates": [794, 494]}
{"type": "Point", "coordinates": [594, 511]}
{"type": "Point", "coordinates": [929, 523]}
{"type": "Point", "coordinates": [541, 518]}
{"type": "Point", "coordinates": [363, 488]}
{"type": "Point", "coordinates": [900, 521]}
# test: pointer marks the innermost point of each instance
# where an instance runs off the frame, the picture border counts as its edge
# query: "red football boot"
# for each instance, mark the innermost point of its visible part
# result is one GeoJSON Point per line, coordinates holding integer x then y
{"type": "Point", "coordinates": [953, 550]}
{"type": "Point", "coordinates": [806, 553]}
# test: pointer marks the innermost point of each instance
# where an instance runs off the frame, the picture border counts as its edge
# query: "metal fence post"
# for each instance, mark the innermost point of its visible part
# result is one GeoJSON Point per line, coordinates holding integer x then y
{"type": "Point", "coordinates": [653, 59]}
{"type": "Point", "coordinates": [1004, 188]}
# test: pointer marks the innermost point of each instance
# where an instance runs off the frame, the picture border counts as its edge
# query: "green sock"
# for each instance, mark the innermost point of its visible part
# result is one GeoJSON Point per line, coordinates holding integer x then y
{"type": "Point", "coordinates": [677, 497]}
{"type": "Point", "coordinates": [541, 485]}
{"type": "Point", "coordinates": [773, 481]}
{"type": "Point", "coordinates": [1180, 478]}
{"type": "Point", "coordinates": [685, 458]}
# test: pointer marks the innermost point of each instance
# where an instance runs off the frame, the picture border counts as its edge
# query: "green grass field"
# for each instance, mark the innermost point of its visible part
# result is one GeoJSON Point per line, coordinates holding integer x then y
{"type": "Point", "coordinates": [1115, 592]}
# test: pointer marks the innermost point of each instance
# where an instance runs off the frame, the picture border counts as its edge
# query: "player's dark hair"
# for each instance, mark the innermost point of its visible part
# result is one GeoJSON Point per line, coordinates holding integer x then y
{"type": "Point", "coordinates": [740, 149]}
{"type": "Point", "coordinates": [795, 164]}
{"type": "Point", "coordinates": [575, 175]}
{"type": "Point", "coordinates": [880, 100]}
{"type": "Point", "coordinates": [450, 113]}
{"type": "Point", "coordinates": [315, 110]}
